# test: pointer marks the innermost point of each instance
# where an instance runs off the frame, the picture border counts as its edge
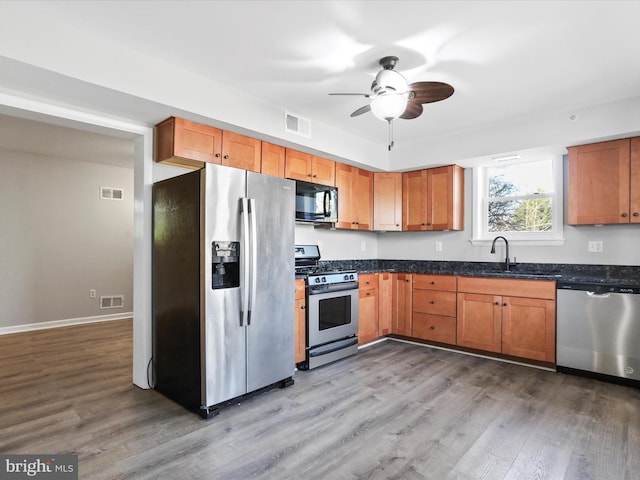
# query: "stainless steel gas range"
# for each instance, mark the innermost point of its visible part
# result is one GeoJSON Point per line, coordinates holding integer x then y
{"type": "Point", "coordinates": [332, 309]}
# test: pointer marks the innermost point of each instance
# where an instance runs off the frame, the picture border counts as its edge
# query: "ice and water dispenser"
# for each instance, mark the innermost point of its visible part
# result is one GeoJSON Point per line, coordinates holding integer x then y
{"type": "Point", "coordinates": [225, 260]}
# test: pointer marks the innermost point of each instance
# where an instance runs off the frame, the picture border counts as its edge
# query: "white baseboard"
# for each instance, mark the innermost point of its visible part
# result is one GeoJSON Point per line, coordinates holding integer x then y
{"type": "Point", "coordinates": [64, 323]}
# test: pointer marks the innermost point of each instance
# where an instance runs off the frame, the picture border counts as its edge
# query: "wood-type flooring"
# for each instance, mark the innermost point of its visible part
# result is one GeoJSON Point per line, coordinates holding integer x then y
{"type": "Point", "coordinates": [394, 411]}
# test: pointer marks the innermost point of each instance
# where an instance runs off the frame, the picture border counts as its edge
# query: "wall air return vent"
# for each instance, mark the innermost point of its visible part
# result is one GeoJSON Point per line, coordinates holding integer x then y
{"type": "Point", "coordinates": [112, 301]}
{"type": "Point", "coordinates": [109, 193]}
{"type": "Point", "coordinates": [296, 124]}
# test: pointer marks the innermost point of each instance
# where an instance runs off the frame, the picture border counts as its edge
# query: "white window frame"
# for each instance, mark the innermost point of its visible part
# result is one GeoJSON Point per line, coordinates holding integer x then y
{"type": "Point", "coordinates": [480, 233]}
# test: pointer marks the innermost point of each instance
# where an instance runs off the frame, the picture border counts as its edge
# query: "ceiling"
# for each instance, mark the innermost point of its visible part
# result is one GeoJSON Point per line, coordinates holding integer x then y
{"type": "Point", "coordinates": [506, 60]}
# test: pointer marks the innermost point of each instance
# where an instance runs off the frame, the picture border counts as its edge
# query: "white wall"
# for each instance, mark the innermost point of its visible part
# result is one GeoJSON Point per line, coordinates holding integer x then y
{"type": "Point", "coordinates": [620, 243]}
{"type": "Point", "coordinates": [59, 240]}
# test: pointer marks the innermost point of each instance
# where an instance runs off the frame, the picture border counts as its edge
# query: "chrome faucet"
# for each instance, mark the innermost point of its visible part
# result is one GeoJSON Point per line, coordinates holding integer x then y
{"type": "Point", "coordinates": [507, 262]}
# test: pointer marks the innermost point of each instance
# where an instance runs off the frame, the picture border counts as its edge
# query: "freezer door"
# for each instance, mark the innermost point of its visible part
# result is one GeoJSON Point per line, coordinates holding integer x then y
{"type": "Point", "coordinates": [270, 333]}
{"type": "Point", "coordinates": [223, 336]}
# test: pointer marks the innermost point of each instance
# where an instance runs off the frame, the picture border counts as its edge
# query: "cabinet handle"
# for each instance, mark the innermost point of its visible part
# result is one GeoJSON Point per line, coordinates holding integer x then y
{"type": "Point", "coordinates": [314, 176]}
{"type": "Point", "coordinates": [635, 214]}
{"type": "Point", "coordinates": [432, 302]}
{"type": "Point", "coordinates": [226, 157]}
{"type": "Point", "coordinates": [217, 155]}
{"type": "Point", "coordinates": [433, 283]}
{"type": "Point", "coordinates": [504, 304]}
{"type": "Point", "coordinates": [432, 327]}
{"type": "Point", "coordinates": [368, 294]}
{"type": "Point", "coordinates": [309, 175]}
{"type": "Point", "coordinates": [497, 303]}
{"type": "Point", "coordinates": [624, 215]}
{"type": "Point", "coordinates": [303, 307]}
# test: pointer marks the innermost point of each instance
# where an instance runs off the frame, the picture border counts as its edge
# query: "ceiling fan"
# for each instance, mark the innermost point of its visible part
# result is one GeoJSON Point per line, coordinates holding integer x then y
{"type": "Point", "coordinates": [393, 97]}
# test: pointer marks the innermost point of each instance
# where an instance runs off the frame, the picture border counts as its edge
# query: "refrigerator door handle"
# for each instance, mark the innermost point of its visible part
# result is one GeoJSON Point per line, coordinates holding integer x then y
{"type": "Point", "coordinates": [244, 287]}
{"type": "Point", "coordinates": [254, 257]}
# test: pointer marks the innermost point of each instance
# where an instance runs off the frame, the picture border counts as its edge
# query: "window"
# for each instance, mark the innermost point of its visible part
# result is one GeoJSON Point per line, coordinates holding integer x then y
{"type": "Point", "coordinates": [519, 200]}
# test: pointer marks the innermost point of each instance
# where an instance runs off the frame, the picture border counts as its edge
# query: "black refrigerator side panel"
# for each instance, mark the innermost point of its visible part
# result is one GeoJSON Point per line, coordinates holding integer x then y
{"type": "Point", "coordinates": [176, 288]}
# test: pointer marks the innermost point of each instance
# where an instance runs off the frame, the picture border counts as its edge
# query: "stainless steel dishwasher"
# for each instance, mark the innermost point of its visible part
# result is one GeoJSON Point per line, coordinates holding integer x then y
{"type": "Point", "coordinates": [598, 331]}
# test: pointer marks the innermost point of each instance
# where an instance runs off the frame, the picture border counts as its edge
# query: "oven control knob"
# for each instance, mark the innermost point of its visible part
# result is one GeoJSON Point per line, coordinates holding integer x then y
{"type": "Point", "coordinates": [317, 280]}
{"type": "Point", "coordinates": [346, 277]}
{"type": "Point", "coordinates": [351, 277]}
{"type": "Point", "coordinates": [324, 279]}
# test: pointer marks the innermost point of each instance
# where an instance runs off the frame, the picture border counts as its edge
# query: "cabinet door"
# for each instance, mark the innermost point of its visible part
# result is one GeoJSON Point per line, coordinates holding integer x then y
{"type": "Point", "coordinates": [300, 332]}
{"type": "Point", "coordinates": [599, 183]}
{"type": "Point", "coordinates": [297, 165]}
{"type": "Point", "coordinates": [529, 328]}
{"type": "Point", "coordinates": [323, 171]}
{"type": "Point", "coordinates": [445, 190]}
{"type": "Point", "coordinates": [635, 181]}
{"type": "Point", "coordinates": [187, 144]}
{"type": "Point", "coordinates": [272, 160]}
{"type": "Point", "coordinates": [387, 201]}
{"type": "Point", "coordinates": [479, 323]}
{"type": "Point", "coordinates": [414, 200]}
{"type": "Point", "coordinates": [362, 202]}
{"type": "Point", "coordinates": [401, 300]}
{"type": "Point", "coordinates": [368, 315]}
{"type": "Point", "coordinates": [385, 303]}
{"type": "Point", "coordinates": [239, 151]}
{"type": "Point", "coordinates": [344, 183]}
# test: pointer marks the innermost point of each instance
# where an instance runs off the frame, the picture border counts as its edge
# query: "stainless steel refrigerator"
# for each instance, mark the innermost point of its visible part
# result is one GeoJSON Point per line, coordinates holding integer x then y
{"type": "Point", "coordinates": [223, 285]}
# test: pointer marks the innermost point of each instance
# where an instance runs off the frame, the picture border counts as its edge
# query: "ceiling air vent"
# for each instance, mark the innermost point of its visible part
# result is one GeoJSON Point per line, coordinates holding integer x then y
{"type": "Point", "coordinates": [112, 301]}
{"type": "Point", "coordinates": [296, 124]}
{"type": "Point", "coordinates": [108, 193]}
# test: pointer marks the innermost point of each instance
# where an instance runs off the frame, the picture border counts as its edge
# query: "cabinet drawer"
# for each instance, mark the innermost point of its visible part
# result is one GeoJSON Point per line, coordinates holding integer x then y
{"type": "Point", "coordinates": [434, 302]}
{"type": "Point", "coordinates": [435, 282]}
{"type": "Point", "coordinates": [368, 280]}
{"type": "Point", "coordinates": [436, 328]}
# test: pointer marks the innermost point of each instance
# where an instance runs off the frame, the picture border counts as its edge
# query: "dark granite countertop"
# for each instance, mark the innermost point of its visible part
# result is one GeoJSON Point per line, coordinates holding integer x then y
{"type": "Point", "coordinates": [570, 273]}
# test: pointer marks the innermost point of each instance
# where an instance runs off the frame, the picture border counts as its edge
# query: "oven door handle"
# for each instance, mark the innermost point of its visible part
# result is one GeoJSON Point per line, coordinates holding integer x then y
{"type": "Point", "coordinates": [340, 287]}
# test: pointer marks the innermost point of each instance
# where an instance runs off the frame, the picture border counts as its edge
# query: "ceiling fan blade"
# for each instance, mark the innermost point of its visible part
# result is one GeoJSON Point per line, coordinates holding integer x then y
{"type": "Point", "coordinates": [358, 94]}
{"type": "Point", "coordinates": [361, 110]}
{"type": "Point", "coordinates": [414, 110]}
{"type": "Point", "coordinates": [428, 92]}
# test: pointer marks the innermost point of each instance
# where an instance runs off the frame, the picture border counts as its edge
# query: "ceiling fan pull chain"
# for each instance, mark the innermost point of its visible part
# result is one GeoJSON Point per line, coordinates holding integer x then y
{"type": "Point", "coordinates": [390, 134]}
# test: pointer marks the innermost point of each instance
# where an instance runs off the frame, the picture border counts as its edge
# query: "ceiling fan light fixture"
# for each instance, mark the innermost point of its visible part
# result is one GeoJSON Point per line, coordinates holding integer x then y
{"type": "Point", "coordinates": [389, 106]}
{"type": "Point", "coordinates": [388, 81]}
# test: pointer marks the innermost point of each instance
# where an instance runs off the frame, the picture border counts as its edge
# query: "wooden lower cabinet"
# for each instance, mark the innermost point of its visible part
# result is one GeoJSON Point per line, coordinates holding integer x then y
{"type": "Point", "coordinates": [385, 303]}
{"type": "Point", "coordinates": [401, 297]}
{"type": "Point", "coordinates": [479, 322]}
{"type": "Point", "coordinates": [521, 324]}
{"type": "Point", "coordinates": [368, 308]}
{"type": "Point", "coordinates": [528, 328]}
{"type": "Point", "coordinates": [434, 308]}
{"type": "Point", "coordinates": [300, 326]}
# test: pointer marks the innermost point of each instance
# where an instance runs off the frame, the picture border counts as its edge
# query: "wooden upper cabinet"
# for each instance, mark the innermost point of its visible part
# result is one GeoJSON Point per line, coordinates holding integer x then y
{"type": "Point", "coordinates": [599, 183]}
{"type": "Point", "coordinates": [272, 160]}
{"type": "Point", "coordinates": [355, 197]}
{"type": "Point", "coordinates": [240, 151]}
{"type": "Point", "coordinates": [187, 144]}
{"type": "Point", "coordinates": [635, 181]}
{"type": "Point", "coordinates": [307, 167]}
{"type": "Point", "coordinates": [387, 201]}
{"type": "Point", "coordinates": [433, 199]}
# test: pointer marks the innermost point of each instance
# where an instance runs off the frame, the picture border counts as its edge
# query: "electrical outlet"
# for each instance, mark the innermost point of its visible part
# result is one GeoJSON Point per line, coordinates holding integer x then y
{"type": "Point", "coordinates": [363, 246]}
{"type": "Point", "coordinates": [438, 246]}
{"type": "Point", "coordinates": [92, 293]}
{"type": "Point", "coordinates": [596, 246]}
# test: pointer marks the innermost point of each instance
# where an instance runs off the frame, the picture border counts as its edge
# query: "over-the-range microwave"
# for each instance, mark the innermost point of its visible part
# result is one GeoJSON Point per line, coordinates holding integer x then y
{"type": "Point", "coordinates": [316, 203]}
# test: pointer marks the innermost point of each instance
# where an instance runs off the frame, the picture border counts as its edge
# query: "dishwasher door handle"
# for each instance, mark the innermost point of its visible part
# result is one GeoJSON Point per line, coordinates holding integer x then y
{"type": "Point", "coordinates": [598, 295]}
